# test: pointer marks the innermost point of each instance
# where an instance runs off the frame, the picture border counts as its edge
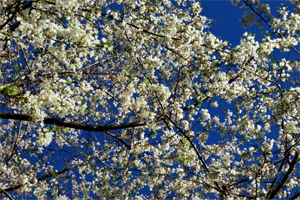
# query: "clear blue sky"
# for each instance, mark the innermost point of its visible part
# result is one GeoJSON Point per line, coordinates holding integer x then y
{"type": "Point", "coordinates": [228, 26]}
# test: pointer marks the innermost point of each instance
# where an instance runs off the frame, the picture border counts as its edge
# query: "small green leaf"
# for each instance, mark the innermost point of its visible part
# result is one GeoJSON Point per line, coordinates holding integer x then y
{"type": "Point", "coordinates": [266, 39]}
{"type": "Point", "coordinates": [153, 11]}
{"type": "Point", "coordinates": [186, 160]}
{"type": "Point", "coordinates": [258, 70]}
{"type": "Point", "coordinates": [15, 91]}
{"type": "Point", "coordinates": [122, 165]}
{"type": "Point", "coordinates": [6, 89]}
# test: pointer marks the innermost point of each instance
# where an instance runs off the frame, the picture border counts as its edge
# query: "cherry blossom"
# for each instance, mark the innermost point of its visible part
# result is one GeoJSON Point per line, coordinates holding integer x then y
{"type": "Point", "coordinates": [130, 99]}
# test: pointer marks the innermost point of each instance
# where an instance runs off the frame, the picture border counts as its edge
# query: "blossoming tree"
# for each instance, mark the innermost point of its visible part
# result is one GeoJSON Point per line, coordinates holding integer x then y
{"type": "Point", "coordinates": [116, 99]}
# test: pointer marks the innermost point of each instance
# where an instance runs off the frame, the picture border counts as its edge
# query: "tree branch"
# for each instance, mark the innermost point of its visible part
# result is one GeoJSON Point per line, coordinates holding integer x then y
{"type": "Point", "coordinates": [6, 194]}
{"type": "Point", "coordinates": [285, 179]}
{"type": "Point", "coordinates": [72, 124]}
{"type": "Point", "coordinates": [197, 153]}
{"type": "Point", "coordinates": [78, 126]}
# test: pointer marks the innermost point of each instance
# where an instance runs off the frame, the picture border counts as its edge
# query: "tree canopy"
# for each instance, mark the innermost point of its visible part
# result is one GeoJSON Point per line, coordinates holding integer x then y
{"type": "Point", "coordinates": [122, 99]}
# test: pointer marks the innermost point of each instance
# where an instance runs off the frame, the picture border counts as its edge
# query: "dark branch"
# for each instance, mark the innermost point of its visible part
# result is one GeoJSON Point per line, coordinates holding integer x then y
{"type": "Point", "coordinates": [57, 122]}
{"type": "Point", "coordinates": [285, 179]}
{"type": "Point", "coordinates": [72, 124]}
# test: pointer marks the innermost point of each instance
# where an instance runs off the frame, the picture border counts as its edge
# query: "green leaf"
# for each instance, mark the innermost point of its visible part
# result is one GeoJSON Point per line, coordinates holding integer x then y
{"type": "Point", "coordinates": [258, 70]}
{"type": "Point", "coordinates": [186, 160]}
{"type": "Point", "coordinates": [122, 165]}
{"type": "Point", "coordinates": [154, 133]}
{"type": "Point", "coordinates": [66, 130]}
{"type": "Point", "coordinates": [14, 91]}
{"type": "Point", "coordinates": [266, 39]}
{"type": "Point", "coordinates": [6, 89]}
{"type": "Point", "coordinates": [153, 11]}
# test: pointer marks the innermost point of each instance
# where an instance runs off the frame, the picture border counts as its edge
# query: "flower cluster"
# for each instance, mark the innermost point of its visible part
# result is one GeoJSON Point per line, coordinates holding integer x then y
{"type": "Point", "coordinates": [129, 99]}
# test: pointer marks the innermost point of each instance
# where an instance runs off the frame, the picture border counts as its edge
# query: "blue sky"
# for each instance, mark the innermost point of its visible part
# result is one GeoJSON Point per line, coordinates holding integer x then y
{"type": "Point", "coordinates": [228, 25]}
